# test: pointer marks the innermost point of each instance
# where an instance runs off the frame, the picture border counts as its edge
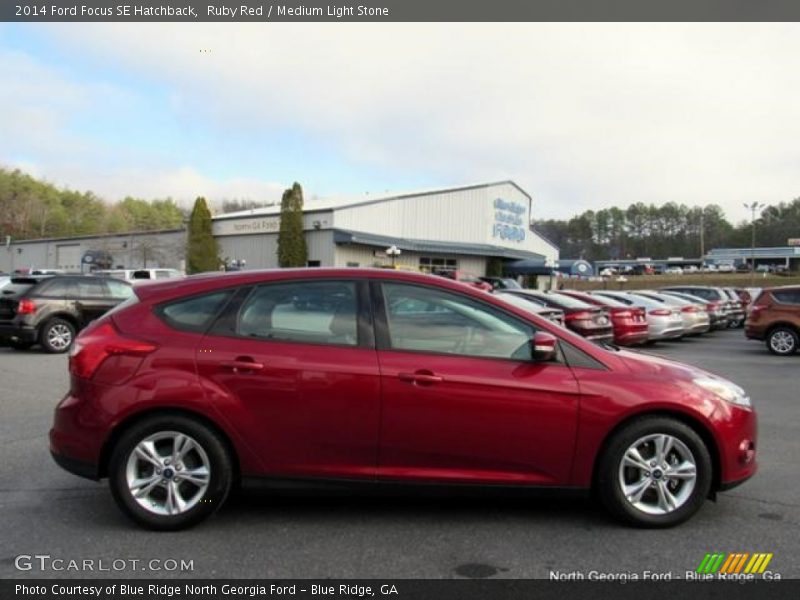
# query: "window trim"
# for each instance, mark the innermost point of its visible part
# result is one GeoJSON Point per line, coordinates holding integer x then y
{"type": "Point", "coordinates": [383, 339]}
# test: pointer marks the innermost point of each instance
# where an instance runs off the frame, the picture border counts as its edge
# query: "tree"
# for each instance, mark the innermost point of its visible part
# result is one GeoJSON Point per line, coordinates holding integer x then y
{"type": "Point", "coordinates": [202, 249]}
{"type": "Point", "coordinates": [292, 251]}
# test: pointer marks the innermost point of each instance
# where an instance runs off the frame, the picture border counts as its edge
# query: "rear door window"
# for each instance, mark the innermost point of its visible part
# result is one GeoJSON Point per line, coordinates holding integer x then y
{"type": "Point", "coordinates": [56, 288]}
{"type": "Point", "coordinates": [319, 312]}
{"type": "Point", "coordinates": [88, 288]}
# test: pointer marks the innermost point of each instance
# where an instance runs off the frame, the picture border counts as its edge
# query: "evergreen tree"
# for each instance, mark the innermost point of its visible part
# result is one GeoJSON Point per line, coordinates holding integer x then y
{"type": "Point", "coordinates": [292, 250]}
{"type": "Point", "coordinates": [202, 250]}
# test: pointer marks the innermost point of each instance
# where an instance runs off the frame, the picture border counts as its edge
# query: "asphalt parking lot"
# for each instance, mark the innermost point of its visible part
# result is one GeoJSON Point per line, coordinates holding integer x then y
{"type": "Point", "coordinates": [46, 511]}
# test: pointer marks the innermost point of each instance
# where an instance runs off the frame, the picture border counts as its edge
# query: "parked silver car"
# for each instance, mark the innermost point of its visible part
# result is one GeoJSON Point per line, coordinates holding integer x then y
{"type": "Point", "coordinates": [715, 295]}
{"type": "Point", "coordinates": [694, 314]}
{"type": "Point", "coordinates": [663, 323]}
{"type": "Point", "coordinates": [717, 311]}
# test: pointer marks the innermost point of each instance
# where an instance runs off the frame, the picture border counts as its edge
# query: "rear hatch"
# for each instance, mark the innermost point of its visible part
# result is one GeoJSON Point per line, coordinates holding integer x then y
{"type": "Point", "coordinates": [11, 294]}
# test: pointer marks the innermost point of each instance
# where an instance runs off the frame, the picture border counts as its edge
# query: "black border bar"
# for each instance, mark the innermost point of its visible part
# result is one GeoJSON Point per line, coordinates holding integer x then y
{"type": "Point", "coordinates": [389, 589]}
{"type": "Point", "coordinates": [233, 11]}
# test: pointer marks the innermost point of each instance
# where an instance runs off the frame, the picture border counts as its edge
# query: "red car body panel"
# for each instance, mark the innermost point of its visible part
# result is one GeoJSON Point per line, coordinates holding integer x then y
{"type": "Point", "coordinates": [377, 414]}
{"type": "Point", "coordinates": [488, 420]}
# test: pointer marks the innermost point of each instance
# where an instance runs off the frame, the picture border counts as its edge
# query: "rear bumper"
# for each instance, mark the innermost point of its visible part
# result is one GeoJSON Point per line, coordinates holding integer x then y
{"type": "Point", "coordinates": [75, 442]}
{"type": "Point", "coordinates": [13, 331]}
{"type": "Point", "coordinates": [76, 467]}
{"type": "Point", "coordinates": [667, 334]}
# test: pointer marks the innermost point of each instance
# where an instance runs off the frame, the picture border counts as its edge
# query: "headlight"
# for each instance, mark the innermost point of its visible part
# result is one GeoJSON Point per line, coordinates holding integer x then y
{"type": "Point", "coordinates": [726, 390]}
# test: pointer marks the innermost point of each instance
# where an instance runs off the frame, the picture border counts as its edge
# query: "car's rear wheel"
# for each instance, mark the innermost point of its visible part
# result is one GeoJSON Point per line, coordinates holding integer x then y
{"type": "Point", "coordinates": [783, 341]}
{"type": "Point", "coordinates": [170, 472]}
{"type": "Point", "coordinates": [655, 472]}
{"type": "Point", "coordinates": [57, 335]}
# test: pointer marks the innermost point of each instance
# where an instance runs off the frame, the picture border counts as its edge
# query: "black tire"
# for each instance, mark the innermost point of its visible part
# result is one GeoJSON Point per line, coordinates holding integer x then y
{"type": "Point", "coordinates": [17, 345]}
{"type": "Point", "coordinates": [205, 503]}
{"type": "Point", "coordinates": [56, 344]}
{"type": "Point", "coordinates": [783, 341]}
{"type": "Point", "coordinates": [609, 486]}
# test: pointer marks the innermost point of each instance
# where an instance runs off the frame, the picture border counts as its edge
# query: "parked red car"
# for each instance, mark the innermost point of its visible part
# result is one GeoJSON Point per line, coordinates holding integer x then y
{"type": "Point", "coordinates": [630, 322]}
{"type": "Point", "coordinates": [371, 376]}
{"type": "Point", "coordinates": [585, 319]}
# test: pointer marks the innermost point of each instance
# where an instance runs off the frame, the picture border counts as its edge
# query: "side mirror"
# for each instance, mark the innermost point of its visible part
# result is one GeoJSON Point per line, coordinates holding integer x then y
{"type": "Point", "coordinates": [543, 346]}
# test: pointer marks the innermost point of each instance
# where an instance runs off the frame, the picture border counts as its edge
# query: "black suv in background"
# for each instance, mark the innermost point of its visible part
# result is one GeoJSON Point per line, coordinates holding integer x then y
{"type": "Point", "coordinates": [51, 310]}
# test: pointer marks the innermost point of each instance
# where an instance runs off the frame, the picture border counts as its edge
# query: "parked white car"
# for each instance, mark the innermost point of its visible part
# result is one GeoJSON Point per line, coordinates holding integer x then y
{"type": "Point", "coordinates": [673, 271]}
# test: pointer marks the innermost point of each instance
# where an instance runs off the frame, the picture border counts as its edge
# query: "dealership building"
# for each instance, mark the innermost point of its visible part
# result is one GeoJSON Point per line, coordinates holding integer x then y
{"type": "Point", "coordinates": [459, 228]}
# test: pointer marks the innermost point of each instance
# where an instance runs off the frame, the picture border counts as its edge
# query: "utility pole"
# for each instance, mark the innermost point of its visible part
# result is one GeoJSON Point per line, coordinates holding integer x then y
{"type": "Point", "coordinates": [702, 236]}
{"type": "Point", "coordinates": [753, 207]}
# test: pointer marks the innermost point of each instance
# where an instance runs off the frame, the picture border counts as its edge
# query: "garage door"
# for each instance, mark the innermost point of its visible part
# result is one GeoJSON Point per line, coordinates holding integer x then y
{"type": "Point", "coordinates": [68, 257]}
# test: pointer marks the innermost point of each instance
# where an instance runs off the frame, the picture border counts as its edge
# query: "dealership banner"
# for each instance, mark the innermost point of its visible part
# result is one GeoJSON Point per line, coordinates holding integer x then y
{"type": "Point", "coordinates": [229, 11]}
{"type": "Point", "coordinates": [332, 589]}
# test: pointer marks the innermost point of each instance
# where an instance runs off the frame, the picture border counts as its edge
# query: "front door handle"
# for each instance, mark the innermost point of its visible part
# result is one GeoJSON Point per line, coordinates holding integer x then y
{"type": "Point", "coordinates": [422, 377]}
{"type": "Point", "coordinates": [241, 364]}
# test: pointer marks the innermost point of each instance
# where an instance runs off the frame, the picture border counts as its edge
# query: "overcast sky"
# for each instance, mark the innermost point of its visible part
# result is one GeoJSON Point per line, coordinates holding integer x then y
{"type": "Point", "coordinates": [580, 115]}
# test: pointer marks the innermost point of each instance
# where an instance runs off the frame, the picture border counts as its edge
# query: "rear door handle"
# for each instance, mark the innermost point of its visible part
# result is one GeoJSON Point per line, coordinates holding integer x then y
{"type": "Point", "coordinates": [420, 377]}
{"type": "Point", "coordinates": [241, 364]}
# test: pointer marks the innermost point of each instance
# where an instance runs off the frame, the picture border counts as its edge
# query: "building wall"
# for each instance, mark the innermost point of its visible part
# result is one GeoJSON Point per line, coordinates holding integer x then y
{"type": "Point", "coordinates": [261, 251]}
{"type": "Point", "coordinates": [364, 256]}
{"type": "Point", "coordinates": [470, 215]}
{"type": "Point", "coordinates": [159, 249]}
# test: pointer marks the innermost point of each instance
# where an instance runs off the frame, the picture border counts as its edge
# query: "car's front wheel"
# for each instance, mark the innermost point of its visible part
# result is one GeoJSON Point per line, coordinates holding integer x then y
{"type": "Point", "coordinates": [783, 341]}
{"type": "Point", "coordinates": [170, 472]}
{"type": "Point", "coordinates": [655, 472]}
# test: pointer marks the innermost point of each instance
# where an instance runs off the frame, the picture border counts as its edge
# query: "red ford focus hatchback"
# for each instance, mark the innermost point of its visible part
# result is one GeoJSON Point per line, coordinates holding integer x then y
{"type": "Point", "coordinates": [382, 377]}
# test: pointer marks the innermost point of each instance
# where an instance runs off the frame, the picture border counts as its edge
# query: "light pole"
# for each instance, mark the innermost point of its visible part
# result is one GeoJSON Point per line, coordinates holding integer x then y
{"type": "Point", "coordinates": [394, 252]}
{"type": "Point", "coordinates": [753, 207]}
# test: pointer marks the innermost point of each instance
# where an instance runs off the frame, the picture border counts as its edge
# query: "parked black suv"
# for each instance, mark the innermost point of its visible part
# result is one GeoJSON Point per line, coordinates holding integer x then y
{"type": "Point", "coordinates": [50, 310]}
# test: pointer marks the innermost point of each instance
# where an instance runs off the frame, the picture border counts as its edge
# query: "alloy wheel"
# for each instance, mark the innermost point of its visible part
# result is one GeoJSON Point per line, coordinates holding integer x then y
{"type": "Point", "coordinates": [782, 342]}
{"type": "Point", "coordinates": [657, 474]}
{"type": "Point", "coordinates": [168, 473]}
{"type": "Point", "coordinates": [59, 336]}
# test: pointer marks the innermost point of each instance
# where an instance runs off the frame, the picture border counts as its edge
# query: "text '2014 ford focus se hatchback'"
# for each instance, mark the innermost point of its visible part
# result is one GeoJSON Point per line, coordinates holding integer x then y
{"type": "Point", "coordinates": [382, 377]}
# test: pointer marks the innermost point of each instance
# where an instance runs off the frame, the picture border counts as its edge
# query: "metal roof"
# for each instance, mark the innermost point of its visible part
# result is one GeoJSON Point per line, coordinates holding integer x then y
{"type": "Point", "coordinates": [344, 236]}
{"type": "Point", "coordinates": [769, 252]}
{"type": "Point", "coordinates": [336, 202]}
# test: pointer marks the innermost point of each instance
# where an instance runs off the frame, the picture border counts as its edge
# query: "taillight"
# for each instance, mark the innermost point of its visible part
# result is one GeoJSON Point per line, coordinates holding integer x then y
{"type": "Point", "coordinates": [660, 312]}
{"type": "Point", "coordinates": [94, 346]}
{"type": "Point", "coordinates": [689, 309]}
{"type": "Point", "coordinates": [26, 307]}
{"type": "Point", "coordinates": [713, 306]}
{"type": "Point", "coordinates": [623, 313]}
{"type": "Point", "coordinates": [578, 316]}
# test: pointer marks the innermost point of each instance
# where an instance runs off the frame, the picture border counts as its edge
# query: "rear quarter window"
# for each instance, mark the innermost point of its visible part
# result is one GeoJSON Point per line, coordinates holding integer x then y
{"type": "Point", "coordinates": [787, 296]}
{"type": "Point", "coordinates": [195, 313]}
